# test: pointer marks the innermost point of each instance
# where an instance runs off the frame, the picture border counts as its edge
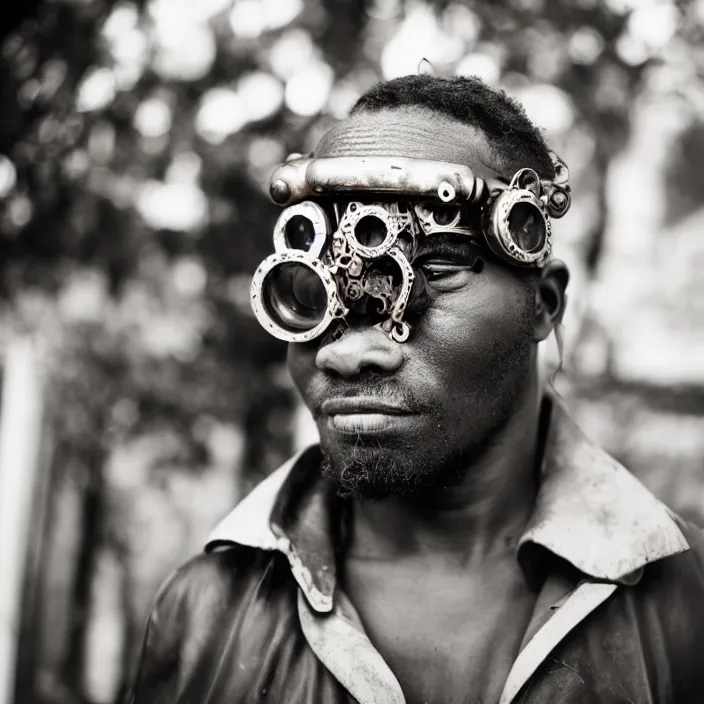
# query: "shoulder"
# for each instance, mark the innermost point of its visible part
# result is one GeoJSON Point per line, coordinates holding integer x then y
{"type": "Point", "coordinates": [193, 608]}
{"type": "Point", "coordinates": [213, 581]}
{"type": "Point", "coordinates": [667, 605]}
{"type": "Point", "coordinates": [670, 594]}
{"type": "Point", "coordinates": [694, 535]}
{"type": "Point", "coordinates": [683, 572]}
{"type": "Point", "coordinates": [694, 557]}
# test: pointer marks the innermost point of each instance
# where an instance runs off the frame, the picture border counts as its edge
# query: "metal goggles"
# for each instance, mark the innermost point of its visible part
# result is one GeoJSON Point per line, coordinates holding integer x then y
{"type": "Point", "coordinates": [333, 250]}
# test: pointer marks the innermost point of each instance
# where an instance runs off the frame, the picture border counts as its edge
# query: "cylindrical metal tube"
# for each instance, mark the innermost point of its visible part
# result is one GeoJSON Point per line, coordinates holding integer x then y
{"type": "Point", "coordinates": [415, 178]}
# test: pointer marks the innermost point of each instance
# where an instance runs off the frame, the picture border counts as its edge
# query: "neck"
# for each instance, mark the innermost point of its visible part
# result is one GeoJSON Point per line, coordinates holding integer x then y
{"type": "Point", "coordinates": [480, 517]}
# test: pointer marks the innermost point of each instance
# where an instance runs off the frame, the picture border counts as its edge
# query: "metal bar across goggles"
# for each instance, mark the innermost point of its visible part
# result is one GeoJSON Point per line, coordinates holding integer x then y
{"type": "Point", "coordinates": [299, 179]}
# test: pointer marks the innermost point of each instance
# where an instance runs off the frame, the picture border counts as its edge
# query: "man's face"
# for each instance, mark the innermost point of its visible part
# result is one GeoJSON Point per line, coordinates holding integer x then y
{"type": "Point", "coordinates": [399, 419]}
{"type": "Point", "coordinates": [402, 418]}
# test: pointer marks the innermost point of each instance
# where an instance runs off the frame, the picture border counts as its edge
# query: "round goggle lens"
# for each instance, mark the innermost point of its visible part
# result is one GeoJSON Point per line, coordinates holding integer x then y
{"type": "Point", "coordinates": [300, 233]}
{"type": "Point", "coordinates": [294, 296]}
{"type": "Point", "coordinates": [527, 227]}
{"type": "Point", "coordinates": [370, 231]}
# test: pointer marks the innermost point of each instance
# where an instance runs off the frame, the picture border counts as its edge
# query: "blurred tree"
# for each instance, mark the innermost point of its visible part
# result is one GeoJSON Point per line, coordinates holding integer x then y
{"type": "Point", "coordinates": [16, 14]}
{"type": "Point", "coordinates": [685, 178]}
{"type": "Point", "coordinates": [136, 140]}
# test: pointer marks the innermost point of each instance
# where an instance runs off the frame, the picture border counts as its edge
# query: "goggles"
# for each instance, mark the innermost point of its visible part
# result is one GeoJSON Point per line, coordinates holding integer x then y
{"type": "Point", "coordinates": [351, 227]}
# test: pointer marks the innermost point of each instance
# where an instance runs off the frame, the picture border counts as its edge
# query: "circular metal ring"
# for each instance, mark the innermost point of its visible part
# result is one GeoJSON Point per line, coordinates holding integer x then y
{"type": "Point", "coordinates": [557, 201]}
{"type": "Point", "coordinates": [526, 180]}
{"type": "Point", "coordinates": [355, 213]}
{"type": "Point", "coordinates": [400, 332]}
{"type": "Point", "coordinates": [334, 308]}
{"type": "Point", "coordinates": [314, 214]}
{"type": "Point", "coordinates": [498, 235]}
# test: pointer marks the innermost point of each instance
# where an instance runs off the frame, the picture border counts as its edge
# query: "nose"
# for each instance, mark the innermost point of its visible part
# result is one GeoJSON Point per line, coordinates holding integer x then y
{"type": "Point", "coordinates": [360, 349]}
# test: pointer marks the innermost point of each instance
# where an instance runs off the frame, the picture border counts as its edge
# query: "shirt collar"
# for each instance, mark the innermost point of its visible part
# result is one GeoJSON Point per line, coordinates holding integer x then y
{"type": "Point", "coordinates": [592, 512]}
{"type": "Point", "coordinates": [589, 511]}
{"type": "Point", "coordinates": [297, 513]}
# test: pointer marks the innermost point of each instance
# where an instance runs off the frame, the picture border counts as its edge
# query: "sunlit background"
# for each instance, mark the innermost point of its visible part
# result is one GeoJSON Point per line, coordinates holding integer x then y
{"type": "Point", "coordinates": [140, 399]}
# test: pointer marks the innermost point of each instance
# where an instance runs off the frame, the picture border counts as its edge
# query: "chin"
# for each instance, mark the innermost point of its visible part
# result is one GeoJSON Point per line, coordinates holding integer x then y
{"type": "Point", "coordinates": [375, 472]}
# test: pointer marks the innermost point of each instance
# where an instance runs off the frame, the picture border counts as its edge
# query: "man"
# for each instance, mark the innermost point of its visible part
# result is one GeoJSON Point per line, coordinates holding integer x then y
{"type": "Point", "coordinates": [454, 538]}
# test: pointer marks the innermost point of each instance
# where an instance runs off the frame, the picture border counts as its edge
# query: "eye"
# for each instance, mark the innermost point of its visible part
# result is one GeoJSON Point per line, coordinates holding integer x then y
{"type": "Point", "coordinates": [448, 262]}
{"type": "Point", "coordinates": [438, 269]}
{"type": "Point", "coordinates": [441, 267]}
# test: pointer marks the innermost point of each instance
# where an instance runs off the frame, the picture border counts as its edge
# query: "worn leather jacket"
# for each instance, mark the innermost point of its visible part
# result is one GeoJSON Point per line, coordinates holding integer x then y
{"type": "Point", "coordinates": [258, 617]}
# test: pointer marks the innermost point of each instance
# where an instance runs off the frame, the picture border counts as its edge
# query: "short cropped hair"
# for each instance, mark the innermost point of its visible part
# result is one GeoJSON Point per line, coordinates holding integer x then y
{"type": "Point", "coordinates": [502, 119]}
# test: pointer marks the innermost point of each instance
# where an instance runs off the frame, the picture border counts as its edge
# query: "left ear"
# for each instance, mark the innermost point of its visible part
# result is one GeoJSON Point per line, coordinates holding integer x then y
{"type": "Point", "coordinates": [550, 298]}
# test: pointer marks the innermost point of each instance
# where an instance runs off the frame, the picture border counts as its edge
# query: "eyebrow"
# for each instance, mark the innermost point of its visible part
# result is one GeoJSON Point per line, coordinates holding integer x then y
{"type": "Point", "coordinates": [451, 245]}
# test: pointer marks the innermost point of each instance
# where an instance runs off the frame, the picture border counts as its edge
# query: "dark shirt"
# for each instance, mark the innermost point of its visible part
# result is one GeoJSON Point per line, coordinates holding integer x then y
{"type": "Point", "coordinates": [259, 617]}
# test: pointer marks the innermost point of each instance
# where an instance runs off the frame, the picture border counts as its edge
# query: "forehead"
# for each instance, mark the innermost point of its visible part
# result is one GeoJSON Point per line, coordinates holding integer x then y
{"type": "Point", "coordinates": [414, 132]}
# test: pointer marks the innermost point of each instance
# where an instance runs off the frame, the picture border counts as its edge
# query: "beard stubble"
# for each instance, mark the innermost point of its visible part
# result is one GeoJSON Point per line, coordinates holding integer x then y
{"type": "Point", "coordinates": [375, 470]}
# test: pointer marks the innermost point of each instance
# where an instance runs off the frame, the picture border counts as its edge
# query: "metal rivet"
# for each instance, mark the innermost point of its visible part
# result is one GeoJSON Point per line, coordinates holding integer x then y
{"type": "Point", "coordinates": [280, 191]}
{"type": "Point", "coordinates": [446, 192]}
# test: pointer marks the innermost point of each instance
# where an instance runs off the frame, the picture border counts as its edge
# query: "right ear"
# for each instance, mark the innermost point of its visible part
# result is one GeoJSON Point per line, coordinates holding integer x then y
{"type": "Point", "coordinates": [551, 298]}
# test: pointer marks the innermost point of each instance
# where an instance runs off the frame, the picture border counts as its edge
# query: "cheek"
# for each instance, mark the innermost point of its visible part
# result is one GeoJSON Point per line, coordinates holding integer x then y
{"type": "Point", "coordinates": [468, 332]}
{"type": "Point", "coordinates": [301, 365]}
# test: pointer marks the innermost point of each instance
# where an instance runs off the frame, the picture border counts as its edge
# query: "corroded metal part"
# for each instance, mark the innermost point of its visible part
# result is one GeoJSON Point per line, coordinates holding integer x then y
{"type": "Point", "coordinates": [363, 248]}
{"type": "Point", "coordinates": [407, 279]}
{"type": "Point", "coordinates": [428, 220]}
{"type": "Point", "coordinates": [402, 176]}
{"type": "Point", "coordinates": [288, 183]}
{"type": "Point", "coordinates": [348, 269]}
{"type": "Point", "coordinates": [280, 191]}
{"type": "Point", "coordinates": [498, 235]}
{"type": "Point", "coordinates": [557, 199]}
{"type": "Point", "coordinates": [393, 220]}
{"type": "Point", "coordinates": [258, 291]}
{"type": "Point", "coordinates": [319, 224]}
{"type": "Point", "coordinates": [527, 180]}
{"type": "Point", "coordinates": [356, 266]}
{"type": "Point", "coordinates": [557, 194]}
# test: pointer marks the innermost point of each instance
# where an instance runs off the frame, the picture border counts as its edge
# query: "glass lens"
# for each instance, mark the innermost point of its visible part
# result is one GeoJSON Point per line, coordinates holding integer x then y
{"type": "Point", "coordinates": [300, 233]}
{"type": "Point", "coordinates": [370, 231]}
{"type": "Point", "coordinates": [527, 227]}
{"type": "Point", "coordinates": [294, 296]}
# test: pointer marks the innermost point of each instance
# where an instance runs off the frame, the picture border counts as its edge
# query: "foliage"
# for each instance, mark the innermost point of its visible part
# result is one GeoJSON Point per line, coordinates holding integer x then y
{"type": "Point", "coordinates": [136, 140]}
{"type": "Point", "coordinates": [136, 158]}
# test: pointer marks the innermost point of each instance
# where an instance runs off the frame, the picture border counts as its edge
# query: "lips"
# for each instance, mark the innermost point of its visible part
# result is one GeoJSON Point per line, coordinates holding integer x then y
{"type": "Point", "coordinates": [364, 415]}
{"type": "Point", "coordinates": [363, 405]}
